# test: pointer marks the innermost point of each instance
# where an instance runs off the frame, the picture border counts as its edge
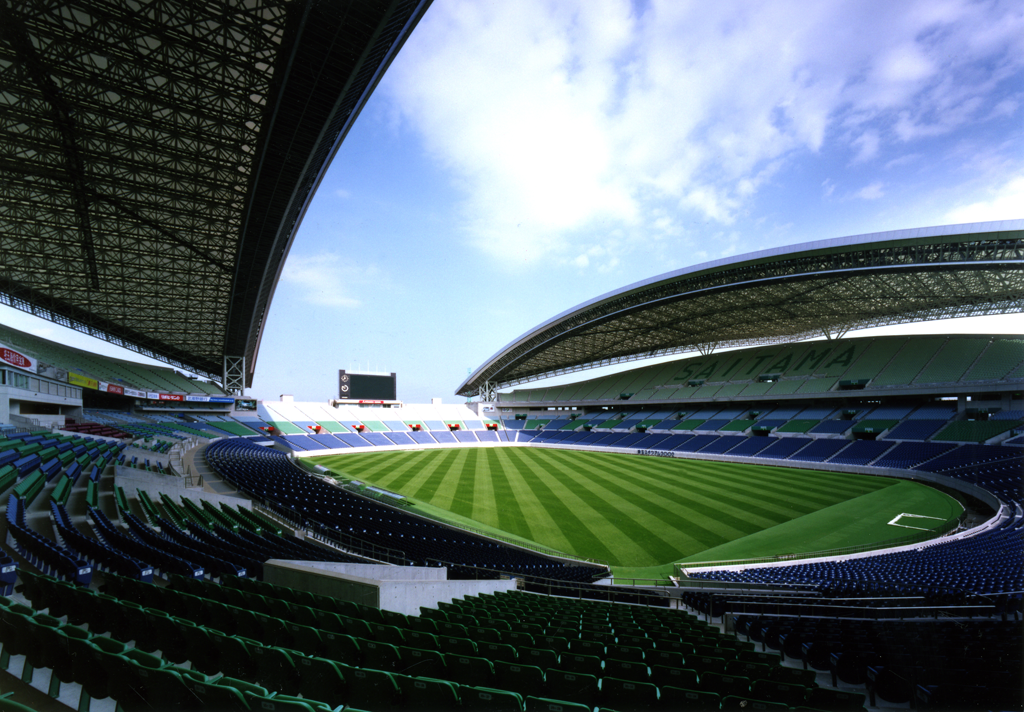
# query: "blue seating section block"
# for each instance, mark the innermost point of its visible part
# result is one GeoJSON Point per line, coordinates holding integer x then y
{"type": "Point", "coordinates": [723, 444]}
{"type": "Point", "coordinates": [422, 437]}
{"type": "Point", "coordinates": [400, 438]}
{"type": "Point", "coordinates": [352, 439]}
{"type": "Point", "coordinates": [820, 450]}
{"type": "Point", "coordinates": [832, 427]}
{"type": "Point", "coordinates": [915, 429]}
{"type": "Point", "coordinates": [376, 438]}
{"type": "Point", "coordinates": [908, 455]}
{"type": "Point", "coordinates": [861, 452]}
{"type": "Point", "coordinates": [716, 424]}
{"type": "Point", "coordinates": [752, 447]}
{"type": "Point", "coordinates": [696, 443]}
{"type": "Point", "coordinates": [783, 448]}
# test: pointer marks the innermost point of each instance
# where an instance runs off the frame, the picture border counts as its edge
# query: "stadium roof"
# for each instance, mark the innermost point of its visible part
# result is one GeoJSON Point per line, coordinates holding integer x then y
{"type": "Point", "coordinates": [157, 158]}
{"type": "Point", "coordinates": [786, 294]}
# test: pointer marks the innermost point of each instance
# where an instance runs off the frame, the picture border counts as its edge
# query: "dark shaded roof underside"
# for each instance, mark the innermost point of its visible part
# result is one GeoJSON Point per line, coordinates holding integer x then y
{"type": "Point", "coordinates": [776, 296]}
{"type": "Point", "coordinates": [156, 158]}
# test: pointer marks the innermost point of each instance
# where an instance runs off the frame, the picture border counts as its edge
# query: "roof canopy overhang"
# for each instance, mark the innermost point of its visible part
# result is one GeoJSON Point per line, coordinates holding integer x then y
{"type": "Point", "coordinates": [156, 158]}
{"type": "Point", "coordinates": [820, 288]}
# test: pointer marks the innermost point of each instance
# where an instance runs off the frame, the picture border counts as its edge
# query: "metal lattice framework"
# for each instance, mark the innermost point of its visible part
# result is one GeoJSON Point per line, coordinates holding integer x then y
{"type": "Point", "coordinates": [156, 157]}
{"type": "Point", "coordinates": [822, 288]}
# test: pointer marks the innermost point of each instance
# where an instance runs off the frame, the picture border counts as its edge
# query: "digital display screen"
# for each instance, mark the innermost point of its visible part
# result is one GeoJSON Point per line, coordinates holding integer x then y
{"type": "Point", "coordinates": [364, 386]}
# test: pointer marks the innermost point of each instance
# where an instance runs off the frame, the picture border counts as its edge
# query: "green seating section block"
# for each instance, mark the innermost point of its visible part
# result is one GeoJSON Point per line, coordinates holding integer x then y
{"type": "Point", "coordinates": [688, 424]}
{"type": "Point", "coordinates": [909, 362]}
{"type": "Point", "coordinates": [797, 426]}
{"type": "Point", "coordinates": [873, 426]}
{"type": "Point", "coordinates": [287, 427]}
{"type": "Point", "coordinates": [952, 361]}
{"type": "Point", "coordinates": [998, 361]}
{"type": "Point", "coordinates": [245, 642]}
{"type": "Point", "coordinates": [972, 431]}
{"type": "Point", "coordinates": [739, 425]}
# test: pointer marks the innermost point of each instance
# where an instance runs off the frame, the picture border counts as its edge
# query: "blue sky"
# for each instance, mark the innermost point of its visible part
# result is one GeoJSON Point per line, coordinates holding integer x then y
{"type": "Point", "coordinates": [520, 158]}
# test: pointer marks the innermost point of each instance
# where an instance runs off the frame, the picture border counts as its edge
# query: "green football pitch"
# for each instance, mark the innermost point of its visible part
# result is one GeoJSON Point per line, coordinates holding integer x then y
{"type": "Point", "coordinates": [641, 514]}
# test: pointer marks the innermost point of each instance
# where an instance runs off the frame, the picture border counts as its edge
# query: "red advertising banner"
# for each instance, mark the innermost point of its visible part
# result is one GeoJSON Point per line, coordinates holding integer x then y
{"type": "Point", "coordinates": [171, 397]}
{"type": "Point", "coordinates": [16, 359]}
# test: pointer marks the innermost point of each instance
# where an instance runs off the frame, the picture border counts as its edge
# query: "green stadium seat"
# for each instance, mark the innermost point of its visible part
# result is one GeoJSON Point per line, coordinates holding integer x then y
{"type": "Point", "coordinates": [422, 663]}
{"type": "Point", "coordinates": [421, 639]}
{"type": "Point", "coordinates": [92, 667]}
{"type": "Point", "coordinates": [321, 679]}
{"type": "Point", "coordinates": [456, 646]}
{"type": "Point", "coordinates": [218, 696]}
{"type": "Point", "coordinates": [543, 704]}
{"type": "Point", "coordinates": [280, 704]}
{"type": "Point", "coordinates": [484, 635]}
{"type": "Point", "coordinates": [469, 670]}
{"type": "Point", "coordinates": [426, 693]}
{"type": "Point", "coordinates": [233, 652]}
{"type": "Point", "coordinates": [388, 634]}
{"type": "Point", "coordinates": [675, 677]}
{"type": "Point", "coordinates": [341, 648]}
{"type": "Point", "coordinates": [724, 685]}
{"type": "Point", "coordinates": [423, 625]}
{"type": "Point", "coordinates": [484, 699]}
{"type": "Point", "coordinates": [543, 659]}
{"type": "Point", "coordinates": [381, 656]}
{"type": "Point", "coordinates": [736, 703]}
{"type": "Point", "coordinates": [277, 668]}
{"type": "Point", "coordinates": [371, 689]}
{"type": "Point", "coordinates": [619, 694]}
{"type": "Point", "coordinates": [678, 698]}
{"type": "Point", "coordinates": [624, 652]}
{"type": "Point", "coordinates": [582, 664]}
{"type": "Point", "coordinates": [578, 687]}
{"type": "Point", "coordinates": [524, 679]}
{"type": "Point", "coordinates": [587, 647]}
{"type": "Point", "coordinates": [626, 670]}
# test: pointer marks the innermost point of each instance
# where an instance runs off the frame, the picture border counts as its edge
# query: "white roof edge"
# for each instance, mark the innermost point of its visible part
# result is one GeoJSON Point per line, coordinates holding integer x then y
{"type": "Point", "coordinates": [905, 234]}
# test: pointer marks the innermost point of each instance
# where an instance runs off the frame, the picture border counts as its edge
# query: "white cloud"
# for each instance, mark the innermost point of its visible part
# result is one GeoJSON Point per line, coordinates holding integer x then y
{"type": "Point", "coordinates": [867, 146]}
{"type": "Point", "coordinates": [328, 279]}
{"type": "Point", "coordinates": [870, 192]}
{"type": "Point", "coordinates": [558, 116]}
{"type": "Point", "coordinates": [1006, 204]}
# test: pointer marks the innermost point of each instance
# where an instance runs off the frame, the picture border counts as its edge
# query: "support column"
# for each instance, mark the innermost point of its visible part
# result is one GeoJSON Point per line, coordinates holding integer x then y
{"type": "Point", "coordinates": [234, 375]}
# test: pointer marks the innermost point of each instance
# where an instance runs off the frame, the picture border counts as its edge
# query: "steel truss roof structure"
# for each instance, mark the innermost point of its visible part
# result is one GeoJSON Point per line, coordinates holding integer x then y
{"type": "Point", "coordinates": [156, 157]}
{"type": "Point", "coordinates": [782, 295]}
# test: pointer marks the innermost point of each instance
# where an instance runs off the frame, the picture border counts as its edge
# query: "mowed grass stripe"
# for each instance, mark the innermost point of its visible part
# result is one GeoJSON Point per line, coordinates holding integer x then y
{"type": "Point", "coordinates": [543, 525]}
{"type": "Point", "coordinates": [450, 494]}
{"type": "Point", "coordinates": [394, 474]}
{"type": "Point", "coordinates": [573, 534]}
{"type": "Point", "coordinates": [621, 508]}
{"type": "Point", "coordinates": [763, 497]}
{"type": "Point", "coordinates": [626, 538]}
{"type": "Point", "coordinates": [693, 529]}
{"type": "Point", "coordinates": [728, 513]}
{"type": "Point", "coordinates": [766, 493]}
{"type": "Point", "coordinates": [509, 513]}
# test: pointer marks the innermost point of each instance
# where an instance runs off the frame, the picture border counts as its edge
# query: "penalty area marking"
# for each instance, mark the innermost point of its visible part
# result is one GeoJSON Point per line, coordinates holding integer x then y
{"type": "Point", "coordinates": [897, 518]}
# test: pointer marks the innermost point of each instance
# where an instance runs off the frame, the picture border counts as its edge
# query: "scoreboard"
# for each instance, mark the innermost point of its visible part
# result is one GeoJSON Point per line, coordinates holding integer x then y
{"type": "Point", "coordinates": [367, 386]}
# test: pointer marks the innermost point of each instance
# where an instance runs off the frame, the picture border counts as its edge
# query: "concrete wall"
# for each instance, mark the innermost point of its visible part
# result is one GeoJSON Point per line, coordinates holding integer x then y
{"type": "Point", "coordinates": [418, 586]}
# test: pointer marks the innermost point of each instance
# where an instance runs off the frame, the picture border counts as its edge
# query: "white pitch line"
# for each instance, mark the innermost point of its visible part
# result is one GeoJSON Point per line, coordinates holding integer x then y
{"type": "Point", "coordinates": [907, 526]}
